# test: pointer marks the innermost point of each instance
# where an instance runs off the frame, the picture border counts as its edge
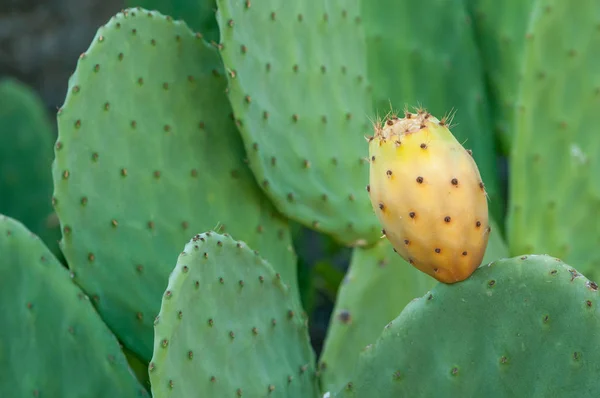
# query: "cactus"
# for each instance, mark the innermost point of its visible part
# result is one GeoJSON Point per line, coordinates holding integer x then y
{"type": "Point", "coordinates": [412, 60]}
{"type": "Point", "coordinates": [214, 339]}
{"type": "Point", "coordinates": [299, 93]}
{"type": "Point", "coordinates": [377, 287]}
{"type": "Point", "coordinates": [51, 336]}
{"type": "Point", "coordinates": [25, 159]}
{"type": "Point", "coordinates": [427, 193]}
{"type": "Point", "coordinates": [554, 185]}
{"type": "Point", "coordinates": [199, 15]}
{"type": "Point", "coordinates": [163, 135]}
{"type": "Point", "coordinates": [500, 28]}
{"type": "Point", "coordinates": [147, 153]}
{"type": "Point", "coordinates": [525, 326]}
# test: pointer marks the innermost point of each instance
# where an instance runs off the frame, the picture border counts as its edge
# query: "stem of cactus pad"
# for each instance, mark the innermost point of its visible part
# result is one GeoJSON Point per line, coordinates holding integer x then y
{"type": "Point", "coordinates": [428, 195]}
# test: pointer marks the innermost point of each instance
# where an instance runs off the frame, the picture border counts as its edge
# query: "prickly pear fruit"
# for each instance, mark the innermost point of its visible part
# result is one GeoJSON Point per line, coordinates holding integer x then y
{"type": "Point", "coordinates": [428, 194]}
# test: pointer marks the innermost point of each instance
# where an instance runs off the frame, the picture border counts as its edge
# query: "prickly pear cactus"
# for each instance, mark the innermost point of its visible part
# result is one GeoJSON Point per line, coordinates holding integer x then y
{"type": "Point", "coordinates": [427, 193]}
{"type": "Point", "coordinates": [377, 287]}
{"type": "Point", "coordinates": [199, 15]}
{"type": "Point", "coordinates": [500, 29]}
{"type": "Point", "coordinates": [525, 326]}
{"type": "Point", "coordinates": [229, 325]}
{"type": "Point", "coordinates": [425, 52]}
{"type": "Point", "coordinates": [299, 91]}
{"type": "Point", "coordinates": [52, 341]}
{"type": "Point", "coordinates": [554, 185]}
{"type": "Point", "coordinates": [146, 153]}
{"type": "Point", "coordinates": [25, 160]}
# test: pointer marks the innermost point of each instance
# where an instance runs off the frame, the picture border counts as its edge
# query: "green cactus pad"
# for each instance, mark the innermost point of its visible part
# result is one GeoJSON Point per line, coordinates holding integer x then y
{"type": "Point", "coordinates": [199, 15]}
{"type": "Point", "coordinates": [377, 286]}
{"type": "Point", "coordinates": [25, 161]}
{"type": "Point", "coordinates": [500, 32]}
{"type": "Point", "coordinates": [525, 326]}
{"type": "Point", "coordinates": [298, 86]}
{"type": "Point", "coordinates": [147, 152]}
{"type": "Point", "coordinates": [554, 184]}
{"type": "Point", "coordinates": [52, 341]}
{"type": "Point", "coordinates": [432, 60]}
{"type": "Point", "coordinates": [229, 326]}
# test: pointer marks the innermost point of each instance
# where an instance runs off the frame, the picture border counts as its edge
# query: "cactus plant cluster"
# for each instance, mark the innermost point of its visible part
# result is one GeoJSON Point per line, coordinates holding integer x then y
{"type": "Point", "coordinates": [194, 135]}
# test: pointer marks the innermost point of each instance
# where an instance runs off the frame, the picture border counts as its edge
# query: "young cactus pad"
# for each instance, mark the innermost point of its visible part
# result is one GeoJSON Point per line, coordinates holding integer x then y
{"type": "Point", "coordinates": [52, 341]}
{"type": "Point", "coordinates": [299, 89]}
{"type": "Point", "coordinates": [229, 326]}
{"type": "Point", "coordinates": [428, 194]}
{"type": "Point", "coordinates": [520, 327]}
{"type": "Point", "coordinates": [146, 153]}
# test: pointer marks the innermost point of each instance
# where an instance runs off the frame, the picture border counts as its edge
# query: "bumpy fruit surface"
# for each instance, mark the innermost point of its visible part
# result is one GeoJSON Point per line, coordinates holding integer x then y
{"type": "Point", "coordinates": [428, 194]}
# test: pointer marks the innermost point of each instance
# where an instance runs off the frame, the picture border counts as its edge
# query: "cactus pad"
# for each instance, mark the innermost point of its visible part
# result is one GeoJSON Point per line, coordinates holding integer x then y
{"type": "Point", "coordinates": [230, 326]}
{"type": "Point", "coordinates": [199, 15]}
{"type": "Point", "coordinates": [25, 161]}
{"type": "Point", "coordinates": [525, 326]}
{"type": "Point", "coordinates": [52, 341]}
{"type": "Point", "coordinates": [554, 185]}
{"type": "Point", "coordinates": [425, 53]}
{"type": "Point", "coordinates": [147, 152]}
{"type": "Point", "coordinates": [374, 291]}
{"type": "Point", "coordinates": [377, 286]}
{"type": "Point", "coordinates": [298, 87]}
{"type": "Point", "coordinates": [500, 32]}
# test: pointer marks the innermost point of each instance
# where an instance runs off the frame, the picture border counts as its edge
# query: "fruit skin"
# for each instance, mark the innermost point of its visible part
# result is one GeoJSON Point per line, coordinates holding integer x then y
{"type": "Point", "coordinates": [300, 94]}
{"type": "Point", "coordinates": [52, 341]}
{"type": "Point", "coordinates": [521, 327]}
{"type": "Point", "coordinates": [229, 326]}
{"type": "Point", "coordinates": [147, 153]}
{"type": "Point", "coordinates": [376, 288]}
{"type": "Point", "coordinates": [427, 193]}
{"type": "Point", "coordinates": [554, 191]}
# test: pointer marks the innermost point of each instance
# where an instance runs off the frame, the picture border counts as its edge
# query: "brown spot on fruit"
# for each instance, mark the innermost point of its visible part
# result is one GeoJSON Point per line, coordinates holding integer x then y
{"type": "Point", "coordinates": [412, 214]}
{"type": "Point", "coordinates": [420, 180]}
{"type": "Point", "coordinates": [454, 181]}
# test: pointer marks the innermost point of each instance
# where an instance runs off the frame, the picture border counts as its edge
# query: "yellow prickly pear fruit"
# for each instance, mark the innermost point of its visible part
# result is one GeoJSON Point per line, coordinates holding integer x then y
{"type": "Point", "coordinates": [428, 195]}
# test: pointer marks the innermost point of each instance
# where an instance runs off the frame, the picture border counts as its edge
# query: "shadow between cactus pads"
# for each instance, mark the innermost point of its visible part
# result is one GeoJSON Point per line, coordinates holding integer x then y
{"type": "Point", "coordinates": [230, 326]}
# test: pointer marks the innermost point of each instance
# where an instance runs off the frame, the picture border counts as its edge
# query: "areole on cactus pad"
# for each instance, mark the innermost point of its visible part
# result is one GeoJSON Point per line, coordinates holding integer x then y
{"type": "Point", "coordinates": [429, 196]}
